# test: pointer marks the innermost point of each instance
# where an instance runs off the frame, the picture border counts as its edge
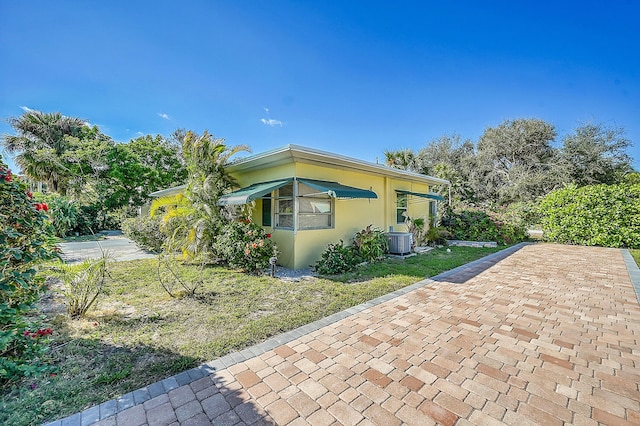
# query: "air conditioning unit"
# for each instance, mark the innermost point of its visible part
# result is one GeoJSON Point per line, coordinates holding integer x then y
{"type": "Point", "coordinates": [399, 242]}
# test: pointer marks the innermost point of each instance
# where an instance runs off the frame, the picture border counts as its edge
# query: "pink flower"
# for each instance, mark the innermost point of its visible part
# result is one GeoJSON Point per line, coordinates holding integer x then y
{"type": "Point", "coordinates": [29, 194]}
{"type": "Point", "coordinates": [7, 177]}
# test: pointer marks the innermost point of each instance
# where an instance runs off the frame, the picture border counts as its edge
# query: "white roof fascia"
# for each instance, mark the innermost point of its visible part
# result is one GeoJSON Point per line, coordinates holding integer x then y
{"type": "Point", "coordinates": [168, 191]}
{"type": "Point", "coordinates": [293, 152]}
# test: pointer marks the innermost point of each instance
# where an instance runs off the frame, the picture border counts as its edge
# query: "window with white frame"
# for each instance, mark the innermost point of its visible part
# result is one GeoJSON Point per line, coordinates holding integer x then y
{"type": "Point", "coordinates": [315, 210]}
{"type": "Point", "coordinates": [284, 207]}
{"type": "Point", "coordinates": [402, 205]}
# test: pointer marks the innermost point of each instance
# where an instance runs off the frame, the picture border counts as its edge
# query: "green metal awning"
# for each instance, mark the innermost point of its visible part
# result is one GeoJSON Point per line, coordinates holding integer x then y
{"type": "Point", "coordinates": [429, 195]}
{"type": "Point", "coordinates": [250, 193]}
{"type": "Point", "coordinates": [336, 190]}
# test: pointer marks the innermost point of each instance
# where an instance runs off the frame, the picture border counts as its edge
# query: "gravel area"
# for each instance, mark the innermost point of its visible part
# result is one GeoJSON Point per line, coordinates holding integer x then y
{"type": "Point", "coordinates": [291, 275]}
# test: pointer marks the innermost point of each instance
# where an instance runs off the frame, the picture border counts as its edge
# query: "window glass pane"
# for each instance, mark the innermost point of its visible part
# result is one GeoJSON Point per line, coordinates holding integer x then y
{"type": "Point", "coordinates": [286, 191]}
{"type": "Point", "coordinates": [306, 190]}
{"type": "Point", "coordinates": [309, 221]}
{"type": "Point", "coordinates": [314, 205]}
{"type": "Point", "coordinates": [285, 206]}
{"type": "Point", "coordinates": [266, 212]}
{"type": "Point", "coordinates": [401, 200]}
{"type": "Point", "coordinates": [401, 207]}
{"type": "Point", "coordinates": [284, 220]}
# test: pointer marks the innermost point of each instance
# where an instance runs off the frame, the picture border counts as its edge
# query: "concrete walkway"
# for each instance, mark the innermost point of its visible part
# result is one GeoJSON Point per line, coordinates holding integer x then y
{"type": "Point", "coordinates": [539, 334]}
{"type": "Point", "coordinates": [118, 247]}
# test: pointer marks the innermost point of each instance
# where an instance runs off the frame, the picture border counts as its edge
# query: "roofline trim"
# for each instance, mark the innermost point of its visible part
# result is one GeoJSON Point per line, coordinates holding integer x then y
{"type": "Point", "coordinates": [295, 151]}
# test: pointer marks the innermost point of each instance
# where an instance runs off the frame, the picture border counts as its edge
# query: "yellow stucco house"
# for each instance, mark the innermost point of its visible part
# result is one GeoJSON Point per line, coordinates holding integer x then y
{"type": "Point", "coordinates": [307, 198]}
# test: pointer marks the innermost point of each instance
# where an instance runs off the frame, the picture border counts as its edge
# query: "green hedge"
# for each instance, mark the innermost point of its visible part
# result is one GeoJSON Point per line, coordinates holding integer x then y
{"type": "Point", "coordinates": [597, 215]}
{"type": "Point", "coordinates": [479, 225]}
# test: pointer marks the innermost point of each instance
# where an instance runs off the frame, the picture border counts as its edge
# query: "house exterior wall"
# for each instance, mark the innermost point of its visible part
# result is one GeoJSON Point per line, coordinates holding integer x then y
{"type": "Point", "coordinates": [302, 248]}
{"type": "Point", "coordinates": [417, 206]}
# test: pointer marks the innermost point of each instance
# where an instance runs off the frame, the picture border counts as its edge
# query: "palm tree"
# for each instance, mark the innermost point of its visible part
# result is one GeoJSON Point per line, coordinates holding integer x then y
{"type": "Point", "coordinates": [195, 220]}
{"type": "Point", "coordinates": [40, 143]}
{"type": "Point", "coordinates": [207, 158]}
{"type": "Point", "coordinates": [404, 159]}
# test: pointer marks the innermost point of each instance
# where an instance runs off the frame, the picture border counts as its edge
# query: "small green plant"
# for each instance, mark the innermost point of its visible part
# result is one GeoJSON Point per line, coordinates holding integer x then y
{"type": "Point", "coordinates": [82, 284]}
{"type": "Point", "coordinates": [145, 231]}
{"type": "Point", "coordinates": [437, 236]}
{"type": "Point", "coordinates": [416, 227]}
{"type": "Point", "coordinates": [64, 213]}
{"type": "Point", "coordinates": [337, 259]}
{"type": "Point", "coordinates": [244, 245]}
{"type": "Point", "coordinates": [370, 243]}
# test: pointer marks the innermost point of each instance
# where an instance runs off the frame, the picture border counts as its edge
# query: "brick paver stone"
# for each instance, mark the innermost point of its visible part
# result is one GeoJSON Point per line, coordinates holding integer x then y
{"type": "Point", "coordinates": [133, 416]}
{"type": "Point", "coordinates": [546, 335]}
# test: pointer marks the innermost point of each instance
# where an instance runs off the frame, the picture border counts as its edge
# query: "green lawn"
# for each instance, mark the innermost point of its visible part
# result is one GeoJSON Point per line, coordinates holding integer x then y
{"type": "Point", "coordinates": [138, 335]}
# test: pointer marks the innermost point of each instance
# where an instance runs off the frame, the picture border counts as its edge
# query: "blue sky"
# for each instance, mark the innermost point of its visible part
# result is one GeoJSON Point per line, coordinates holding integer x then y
{"type": "Point", "coordinates": [352, 77]}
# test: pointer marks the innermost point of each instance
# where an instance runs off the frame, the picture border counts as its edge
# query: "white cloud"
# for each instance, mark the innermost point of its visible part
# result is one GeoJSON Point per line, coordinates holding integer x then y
{"type": "Point", "coordinates": [271, 122]}
{"type": "Point", "coordinates": [163, 115]}
{"type": "Point", "coordinates": [266, 110]}
{"type": "Point", "coordinates": [26, 109]}
{"type": "Point", "coordinates": [139, 133]}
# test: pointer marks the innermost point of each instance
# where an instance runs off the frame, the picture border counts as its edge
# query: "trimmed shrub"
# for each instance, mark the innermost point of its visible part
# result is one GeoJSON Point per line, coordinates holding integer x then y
{"type": "Point", "coordinates": [478, 225]}
{"type": "Point", "coordinates": [596, 215]}
{"type": "Point", "coordinates": [337, 259]}
{"type": "Point", "coordinates": [145, 231]}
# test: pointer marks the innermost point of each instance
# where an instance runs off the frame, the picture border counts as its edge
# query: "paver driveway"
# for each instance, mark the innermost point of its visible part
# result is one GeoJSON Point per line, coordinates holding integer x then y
{"type": "Point", "coordinates": [548, 335]}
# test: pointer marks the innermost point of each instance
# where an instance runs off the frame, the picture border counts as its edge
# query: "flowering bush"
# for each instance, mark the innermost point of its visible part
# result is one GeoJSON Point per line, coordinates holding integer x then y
{"type": "Point", "coordinates": [25, 240]}
{"type": "Point", "coordinates": [245, 245]}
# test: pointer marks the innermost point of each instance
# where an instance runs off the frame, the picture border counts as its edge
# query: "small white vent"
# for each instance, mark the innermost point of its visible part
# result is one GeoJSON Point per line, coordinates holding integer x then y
{"type": "Point", "coordinates": [399, 242]}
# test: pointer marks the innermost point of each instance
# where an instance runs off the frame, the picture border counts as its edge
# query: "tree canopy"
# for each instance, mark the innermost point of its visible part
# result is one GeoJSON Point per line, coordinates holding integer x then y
{"type": "Point", "coordinates": [519, 161]}
{"type": "Point", "coordinates": [76, 159]}
{"type": "Point", "coordinates": [40, 143]}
